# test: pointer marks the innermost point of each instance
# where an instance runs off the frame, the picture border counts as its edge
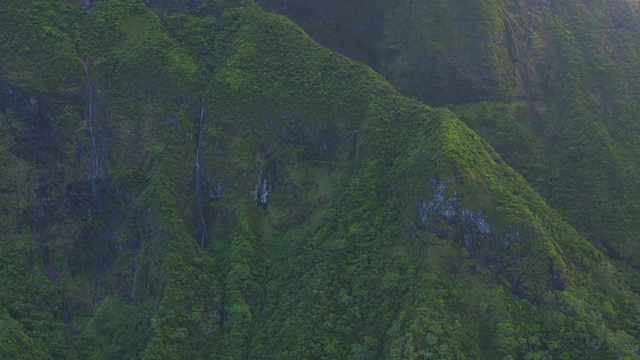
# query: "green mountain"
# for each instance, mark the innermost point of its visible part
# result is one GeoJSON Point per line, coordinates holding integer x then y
{"type": "Point", "coordinates": [203, 179]}
{"type": "Point", "coordinates": [551, 85]}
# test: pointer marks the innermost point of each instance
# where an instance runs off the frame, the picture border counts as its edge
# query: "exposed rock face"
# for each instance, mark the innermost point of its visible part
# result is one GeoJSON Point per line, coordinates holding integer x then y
{"type": "Point", "coordinates": [470, 224]}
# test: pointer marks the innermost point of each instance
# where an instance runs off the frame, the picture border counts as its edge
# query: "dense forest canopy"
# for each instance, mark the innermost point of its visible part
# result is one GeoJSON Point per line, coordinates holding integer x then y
{"type": "Point", "coordinates": [280, 179]}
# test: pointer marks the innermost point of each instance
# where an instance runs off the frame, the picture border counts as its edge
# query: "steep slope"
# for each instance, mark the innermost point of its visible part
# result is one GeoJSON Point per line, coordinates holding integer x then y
{"type": "Point", "coordinates": [438, 51]}
{"type": "Point", "coordinates": [574, 131]}
{"type": "Point", "coordinates": [340, 219]}
{"type": "Point", "coordinates": [557, 81]}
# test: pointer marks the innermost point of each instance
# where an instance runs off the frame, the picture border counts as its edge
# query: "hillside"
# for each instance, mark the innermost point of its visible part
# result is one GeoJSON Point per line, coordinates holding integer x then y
{"type": "Point", "coordinates": [204, 180]}
{"type": "Point", "coordinates": [553, 86]}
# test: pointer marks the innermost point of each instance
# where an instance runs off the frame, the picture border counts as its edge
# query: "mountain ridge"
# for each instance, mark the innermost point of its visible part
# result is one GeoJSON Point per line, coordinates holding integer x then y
{"type": "Point", "coordinates": [344, 219]}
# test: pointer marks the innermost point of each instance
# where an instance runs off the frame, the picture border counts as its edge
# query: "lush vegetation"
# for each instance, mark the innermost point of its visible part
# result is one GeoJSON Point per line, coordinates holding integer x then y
{"type": "Point", "coordinates": [551, 85]}
{"type": "Point", "coordinates": [342, 220]}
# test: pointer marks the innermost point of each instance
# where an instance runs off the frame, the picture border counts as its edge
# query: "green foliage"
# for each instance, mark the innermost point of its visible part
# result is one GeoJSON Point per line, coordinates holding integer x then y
{"type": "Point", "coordinates": [32, 306]}
{"type": "Point", "coordinates": [345, 221]}
{"type": "Point", "coordinates": [15, 343]}
{"type": "Point", "coordinates": [38, 53]}
{"type": "Point", "coordinates": [128, 329]}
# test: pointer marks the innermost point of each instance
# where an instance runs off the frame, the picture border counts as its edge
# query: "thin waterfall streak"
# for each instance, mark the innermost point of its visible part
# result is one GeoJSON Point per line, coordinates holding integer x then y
{"type": "Point", "coordinates": [95, 161]}
{"type": "Point", "coordinates": [199, 136]}
{"type": "Point", "coordinates": [198, 189]}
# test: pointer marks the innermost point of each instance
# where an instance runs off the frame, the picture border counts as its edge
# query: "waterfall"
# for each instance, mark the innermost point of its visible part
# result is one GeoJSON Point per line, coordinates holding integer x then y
{"type": "Point", "coordinates": [198, 189]}
{"type": "Point", "coordinates": [95, 160]}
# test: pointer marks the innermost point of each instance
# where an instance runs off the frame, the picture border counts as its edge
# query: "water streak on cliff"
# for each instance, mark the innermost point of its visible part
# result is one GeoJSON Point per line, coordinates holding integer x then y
{"type": "Point", "coordinates": [198, 189]}
{"type": "Point", "coordinates": [95, 159]}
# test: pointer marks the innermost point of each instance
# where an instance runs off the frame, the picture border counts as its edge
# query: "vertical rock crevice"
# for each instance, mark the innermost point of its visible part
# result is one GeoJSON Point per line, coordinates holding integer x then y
{"type": "Point", "coordinates": [198, 187]}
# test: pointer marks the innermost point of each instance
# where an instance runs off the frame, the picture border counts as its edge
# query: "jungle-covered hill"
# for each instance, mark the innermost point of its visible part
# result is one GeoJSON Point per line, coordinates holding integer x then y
{"type": "Point", "coordinates": [399, 179]}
